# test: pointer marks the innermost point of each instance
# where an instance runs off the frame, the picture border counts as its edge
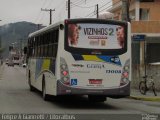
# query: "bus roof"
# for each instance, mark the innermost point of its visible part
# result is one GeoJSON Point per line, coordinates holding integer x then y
{"type": "Point", "coordinates": [50, 27]}
{"type": "Point", "coordinates": [43, 30]}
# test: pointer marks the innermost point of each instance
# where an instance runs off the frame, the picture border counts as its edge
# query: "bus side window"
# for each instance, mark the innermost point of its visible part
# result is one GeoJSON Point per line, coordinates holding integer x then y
{"type": "Point", "coordinates": [28, 49]}
{"type": "Point", "coordinates": [50, 45]}
{"type": "Point", "coordinates": [40, 46]}
{"type": "Point", "coordinates": [44, 45]}
{"type": "Point", "coordinates": [56, 36]}
{"type": "Point", "coordinates": [36, 46]}
{"type": "Point", "coordinates": [54, 44]}
{"type": "Point", "coordinates": [47, 44]}
{"type": "Point", "coordinates": [31, 47]}
{"type": "Point", "coordinates": [56, 41]}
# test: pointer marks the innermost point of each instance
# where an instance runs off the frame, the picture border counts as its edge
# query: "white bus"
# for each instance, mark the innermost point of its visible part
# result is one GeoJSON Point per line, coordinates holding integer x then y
{"type": "Point", "coordinates": [81, 57]}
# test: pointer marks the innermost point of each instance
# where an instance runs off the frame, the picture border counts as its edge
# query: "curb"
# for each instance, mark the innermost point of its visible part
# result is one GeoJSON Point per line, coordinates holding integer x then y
{"type": "Point", "coordinates": [154, 99]}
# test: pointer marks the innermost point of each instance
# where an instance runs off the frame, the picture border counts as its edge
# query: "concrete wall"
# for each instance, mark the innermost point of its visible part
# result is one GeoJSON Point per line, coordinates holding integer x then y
{"type": "Point", "coordinates": [145, 27]}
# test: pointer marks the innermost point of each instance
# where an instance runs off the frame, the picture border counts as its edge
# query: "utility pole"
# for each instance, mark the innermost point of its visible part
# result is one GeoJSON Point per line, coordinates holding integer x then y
{"type": "Point", "coordinates": [69, 9]}
{"type": "Point", "coordinates": [125, 10]}
{"type": "Point", "coordinates": [97, 11]}
{"type": "Point", "coordinates": [38, 26]}
{"type": "Point", "coordinates": [50, 11]}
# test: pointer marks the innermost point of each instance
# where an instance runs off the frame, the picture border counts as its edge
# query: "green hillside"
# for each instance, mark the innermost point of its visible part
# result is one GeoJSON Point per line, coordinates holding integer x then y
{"type": "Point", "coordinates": [15, 33]}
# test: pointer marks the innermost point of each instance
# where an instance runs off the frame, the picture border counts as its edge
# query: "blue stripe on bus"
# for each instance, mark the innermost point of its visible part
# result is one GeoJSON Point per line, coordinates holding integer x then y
{"type": "Point", "coordinates": [109, 59]}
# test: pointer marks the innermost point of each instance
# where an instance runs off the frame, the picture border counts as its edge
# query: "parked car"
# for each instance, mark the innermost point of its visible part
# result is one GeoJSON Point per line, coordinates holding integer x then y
{"type": "Point", "coordinates": [11, 63]}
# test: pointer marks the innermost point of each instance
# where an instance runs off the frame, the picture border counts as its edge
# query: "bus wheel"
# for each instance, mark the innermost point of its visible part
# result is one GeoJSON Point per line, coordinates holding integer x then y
{"type": "Point", "coordinates": [96, 98]}
{"type": "Point", "coordinates": [29, 82]}
{"type": "Point", "coordinates": [44, 95]}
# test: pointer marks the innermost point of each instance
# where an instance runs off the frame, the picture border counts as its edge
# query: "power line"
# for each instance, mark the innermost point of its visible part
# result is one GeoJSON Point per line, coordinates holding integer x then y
{"type": "Point", "coordinates": [59, 5]}
{"type": "Point", "coordinates": [107, 7]}
{"type": "Point", "coordinates": [40, 11]}
{"type": "Point", "coordinates": [105, 4]}
{"type": "Point", "coordinates": [99, 8]}
{"type": "Point", "coordinates": [41, 17]}
{"type": "Point", "coordinates": [77, 3]}
{"type": "Point", "coordinates": [83, 6]}
{"type": "Point", "coordinates": [45, 5]}
{"type": "Point", "coordinates": [49, 4]}
{"type": "Point", "coordinates": [90, 14]}
{"type": "Point", "coordinates": [42, 6]}
{"type": "Point", "coordinates": [93, 13]}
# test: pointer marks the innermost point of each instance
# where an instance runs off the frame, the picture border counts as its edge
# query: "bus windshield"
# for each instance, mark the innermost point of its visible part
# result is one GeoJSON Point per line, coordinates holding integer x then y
{"type": "Point", "coordinates": [99, 36]}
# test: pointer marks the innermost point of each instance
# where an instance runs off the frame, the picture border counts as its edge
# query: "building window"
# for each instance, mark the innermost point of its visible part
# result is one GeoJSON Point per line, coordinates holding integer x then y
{"type": "Point", "coordinates": [132, 15]}
{"type": "Point", "coordinates": [144, 14]}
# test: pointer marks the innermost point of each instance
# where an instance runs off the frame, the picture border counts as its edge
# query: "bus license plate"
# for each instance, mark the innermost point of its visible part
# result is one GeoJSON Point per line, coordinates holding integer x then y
{"type": "Point", "coordinates": [95, 81]}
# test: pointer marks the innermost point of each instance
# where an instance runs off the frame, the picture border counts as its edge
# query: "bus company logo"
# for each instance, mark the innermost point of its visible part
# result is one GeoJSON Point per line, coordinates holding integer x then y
{"type": "Point", "coordinates": [115, 59]}
{"type": "Point", "coordinates": [95, 81]}
{"type": "Point", "coordinates": [113, 71]}
{"type": "Point", "coordinates": [99, 66]}
{"type": "Point", "coordinates": [77, 65]}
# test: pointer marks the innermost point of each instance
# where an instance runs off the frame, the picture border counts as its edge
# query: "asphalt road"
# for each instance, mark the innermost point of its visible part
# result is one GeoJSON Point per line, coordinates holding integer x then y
{"type": "Point", "coordinates": [15, 97]}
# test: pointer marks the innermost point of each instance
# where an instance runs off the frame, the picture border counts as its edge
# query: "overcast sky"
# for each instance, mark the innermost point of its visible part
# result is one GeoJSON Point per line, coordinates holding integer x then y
{"type": "Point", "coordinates": [30, 10]}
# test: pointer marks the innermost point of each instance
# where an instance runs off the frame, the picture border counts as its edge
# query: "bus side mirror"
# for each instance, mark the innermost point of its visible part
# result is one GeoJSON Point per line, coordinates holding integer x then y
{"type": "Point", "coordinates": [25, 50]}
{"type": "Point", "coordinates": [61, 26]}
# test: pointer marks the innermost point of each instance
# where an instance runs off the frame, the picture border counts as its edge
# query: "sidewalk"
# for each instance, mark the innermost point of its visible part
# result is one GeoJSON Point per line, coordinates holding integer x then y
{"type": "Point", "coordinates": [135, 94]}
{"type": "Point", "coordinates": [1, 68]}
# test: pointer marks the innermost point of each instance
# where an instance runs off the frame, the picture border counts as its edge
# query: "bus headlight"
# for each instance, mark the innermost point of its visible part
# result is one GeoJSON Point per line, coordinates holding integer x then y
{"type": "Point", "coordinates": [65, 73]}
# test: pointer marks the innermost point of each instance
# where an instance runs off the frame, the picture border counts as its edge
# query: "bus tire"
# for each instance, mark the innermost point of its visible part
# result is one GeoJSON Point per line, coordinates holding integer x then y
{"type": "Point", "coordinates": [29, 82]}
{"type": "Point", "coordinates": [44, 95]}
{"type": "Point", "coordinates": [96, 98]}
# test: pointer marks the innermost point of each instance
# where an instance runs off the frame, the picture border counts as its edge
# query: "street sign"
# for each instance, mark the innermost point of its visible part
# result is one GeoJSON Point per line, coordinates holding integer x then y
{"type": "Point", "coordinates": [146, 0]}
{"type": "Point", "coordinates": [139, 37]}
